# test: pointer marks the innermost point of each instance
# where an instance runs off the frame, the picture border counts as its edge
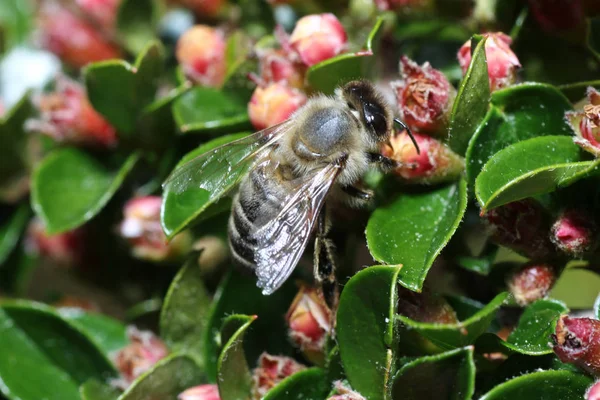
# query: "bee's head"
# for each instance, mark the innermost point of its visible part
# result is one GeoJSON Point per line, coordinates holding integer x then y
{"type": "Point", "coordinates": [375, 113]}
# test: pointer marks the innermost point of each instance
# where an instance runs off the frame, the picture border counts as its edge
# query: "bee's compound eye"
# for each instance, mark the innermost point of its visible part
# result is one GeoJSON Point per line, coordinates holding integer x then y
{"type": "Point", "coordinates": [375, 118]}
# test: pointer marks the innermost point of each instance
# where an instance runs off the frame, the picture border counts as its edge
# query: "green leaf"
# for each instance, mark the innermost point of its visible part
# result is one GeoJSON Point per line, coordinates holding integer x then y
{"type": "Point", "coordinates": [95, 390]}
{"type": "Point", "coordinates": [310, 383]}
{"type": "Point", "coordinates": [11, 231]}
{"type": "Point", "coordinates": [184, 312]}
{"type": "Point", "coordinates": [180, 210]}
{"type": "Point", "coordinates": [16, 17]}
{"type": "Point", "coordinates": [136, 23]}
{"type": "Point", "coordinates": [167, 378]}
{"type": "Point", "coordinates": [120, 91]}
{"type": "Point", "coordinates": [233, 374]}
{"type": "Point", "coordinates": [449, 336]}
{"type": "Point", "coordinates": [365, 330]}
{"type": "Point", "coordinates": [532, 333]}
{"type": "Point", "coordinates": [471, 103]}
{"type": "Point", "coordinates": [529, 168]}
{"type": "Point", "coordinates": [329, 74]}
{"type": "Point", "coordinates": [69, 188]}
{"type": "Point", "coordinates": [414, 228]}
{"type": "Point", "coordinates": [208, 111]}
{"type": "Point", "coordinates": [517, 113]}
{"type": "Point", "coordinates": [449, 375]}
{"type": "Point", "coordinates": [483, 264]}
{"type": "Point", "coordinates": [43, 356]}
{"type": "Point", "coordinates": [543, 385]}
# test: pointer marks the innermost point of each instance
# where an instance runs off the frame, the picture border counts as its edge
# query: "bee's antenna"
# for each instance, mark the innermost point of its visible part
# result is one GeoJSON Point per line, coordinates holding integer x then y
{"type": "Point", "coordinates": [407, 129]}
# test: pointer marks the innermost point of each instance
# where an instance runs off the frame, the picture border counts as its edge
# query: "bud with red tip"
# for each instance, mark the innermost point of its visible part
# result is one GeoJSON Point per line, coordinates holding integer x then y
{"type": "Point", "coordinates": [577, 341]}
{"type": "Point", "coordinates": [574, 232]}
{"type": "Point", "coordinates": [145, 350]}
{"type": "Point", "coordinates": [593, 393]}
{"type": "Point", "coordinates": [317, 38]}
{"type": "Point", "coordinates": [531, 282]}
{"type": "Point", "coordinates": [522, 226]}
{"type": "Point", "coordinates": [276, 67]}
{"type": "Point", "coordinates": [201, 392]}
{"type": "Point", "coordinates": [502, 63]}
{"type": "Point", "coordinates": [201, 54]}
{"type": "Point", "coordinates": [141, 228]}
{"type": "Point", "coordinates": [434, 162]}
{"type": "Point", "coordinates": [73, 40]}
{"type": "Point", "coordinates": [273, 104]}
{"type": "Point", "coordinates": [424, 97]}
{"type": "Point", "coordinates": [103, 11]}
{"type": "Point", "coordinates": [343, 391]}
{"type": "Point", "coordinates": [66, 115]}
{"type": "Point", "coordinates": [270, 371]}
{"type": "Point", "coordinates": [586, 123]}
{"type": "Point", "coordinates": [63, 248]}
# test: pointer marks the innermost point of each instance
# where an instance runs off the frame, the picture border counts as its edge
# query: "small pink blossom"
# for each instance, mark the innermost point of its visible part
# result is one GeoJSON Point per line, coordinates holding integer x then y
{"type": "Point", "coordinates": [277, 67]}
{"type": "Point", "coordinates": [201, 392]}
{"type": "Point", "coordinates": [586, 123]}
{"type": "Point", "coordinates": [318, 37]}
{"type": "Point", "coordinates": [270, 371]}
{"type": "Point", "coordinates": [574, 232]}
{"type": "Point", "coordinates": [273, 104]}
{"type": "Point", "coordinates": [63, 248]}
{"type": "Point", "coordinates": [593, 393]}
{"type": "Point", "coordinates": [201, 54]}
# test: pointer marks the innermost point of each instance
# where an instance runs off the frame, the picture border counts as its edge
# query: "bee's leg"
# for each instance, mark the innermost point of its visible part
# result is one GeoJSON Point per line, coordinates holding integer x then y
{"type": "Point", "coordinates": [358, 193]}
{"type": "Point", "coordinates": [385, 163]}
{"type": "Point", "coordinates": [324, 263]}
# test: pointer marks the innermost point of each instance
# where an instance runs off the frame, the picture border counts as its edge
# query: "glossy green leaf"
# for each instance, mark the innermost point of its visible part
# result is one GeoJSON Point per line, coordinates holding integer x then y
{"type": "Point", "coordinates": [449, 336]}
{"type": "Point", "coordinates": [69, 188]}
{"type": "Point", "coordinates": [329, 74]}
{"type": "Point", "coordinates": [16, 20]}
{"type": "Point", "coordinates": [483, 263]}
{"type": "Point", "coordinates": [529, 168]}
{"type": "Point", "coordinates": [365, 330]}
{"type": "Point", "coordinates": [120, 91]}
{"type": "Point", "coordinates": [208, 111]}
{"type": "Point", "coordinates": [449, 375]}
{"type": "Point", "coordinates": [310, 383]}
{"type": "Point", "coordinates": [136, 23]}
{"type": "Point", "coordinates": [95, 390]}
{"type": "Point", "coordinates": [471, 103]}
{"type": "Point", "coordinates": [518, 113]}
{"type": "Point", "coordinates": [543, 385]}
{"type": "Point", "coordinates": [184, 312]}
{"type": "Point", "coordinates": [180, 210]}
{"type": "Point", "coordinates": [166, 379]}
{"type": "Point", "coordinates": [414, 228]}
{"type": "Point", "coordinates": [233, 374]}
{"type": "Point", "coordinates": [43, 356]}
{"type": "Point", "coordinates": [11, 231]}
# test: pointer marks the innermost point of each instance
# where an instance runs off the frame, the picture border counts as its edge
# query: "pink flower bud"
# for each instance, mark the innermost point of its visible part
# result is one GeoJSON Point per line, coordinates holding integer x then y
{"type": "Point", "coordinates": [343, 391]}
{"type": "Point", "coordinates": [502, 63]}
{"type": "Point", "coordinates": [66, 115]}
{"type": "Point", "coordinates": [270, 371]}
{"type": "Point", "coordinates": [144, 350]}
{"type": "Point", "coordinates": [577, 341]}
{"type": "Point", "coordinates": [522, 226]}
{"type": "Point", "coordinates": [73, 40]}
{"type": "Point", "coordinates": [273, 104]}
{"type": "Point", "coordinates": [202, 392]}
{"type": "Point", "coordinates": [63, 248]}
{"type": "Point", "coordinates": [574, 232]}
{"type": "Point", "coordinates": [103, 11]}
{"type": "Point", "coordinates": [435, 163]}
{"type": "Point", "coordinates": [531, 282]}
{"type": "Point", "coordinates": [586, 123]}
{"type": "Point", "coordinates": [201, 53]}
{"type": "Point", "coordinates": [424, 96]}
{"type": "Point", "coordinates": [276, 67]}
{"type": "Point", "coordinates": [142, 230]}
{"type": "Point", "coordinates": [593, 393]}
{"type": "Point", "coordinates": [555, 16]}
{"type": "Point", "coordinates": [318, 37]}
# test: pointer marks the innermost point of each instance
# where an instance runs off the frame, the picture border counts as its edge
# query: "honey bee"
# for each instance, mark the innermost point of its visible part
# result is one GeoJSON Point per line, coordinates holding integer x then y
{"type": "Point", "coordinates": [287, 173]}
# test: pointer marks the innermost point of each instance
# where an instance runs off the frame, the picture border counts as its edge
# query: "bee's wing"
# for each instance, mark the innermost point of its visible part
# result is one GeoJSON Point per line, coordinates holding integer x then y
{"type": "Point", "coordinates": [281, 242]}
{"type": "Point", "coordinates": [221, 168]}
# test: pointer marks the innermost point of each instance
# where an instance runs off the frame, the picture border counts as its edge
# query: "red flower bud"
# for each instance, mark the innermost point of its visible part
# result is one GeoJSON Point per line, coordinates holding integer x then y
{"type": "Point", "coordinates": [424, 96]}
{"type": "Point", "coordinates": [103, 11]}
{"type": "Point", "coordinates": [202, 392]}
{"type": "Point", "coordinates": [435, 163]}
{"type": "Point", "coordinates": [557, 15]}
{"type": "Point", "coordinates": [318, 37]}
{"type": "Point", "coordinates": [139, 356]}
{"type": "Point", "coordinates": [73, 40]}
{"type": "Point", "coordinates": [593, 393]}
{"type": "Point", "coordinates": [343, 391]}
{"type": "Point", "coordinates": [276, 67]}
{"type": "Point", "coordinates": [574, 232]}
{"type": "Point", "coordinates": [63, 248]}
{"type": "Point", "coordinates": [270, 371]}
{"type": "Point", "coordinates": [522, 226]}
{"type": "Point", "coordinates": [502, 63]}
{"type": "Point", "coordinates": [273, 104]}
{"type": "Point", "coordinates": [531, 282]}
{"type": "Point", "coordinates": [586, 123]}
{"type": "Point", "coordinates": [201, 53]}
{"type": "Point", "coordinates": [66, 115]}
{"type": "Point", "coordinates": [141, 228]}
{"type": "Point", "coordinates": [577, 341]}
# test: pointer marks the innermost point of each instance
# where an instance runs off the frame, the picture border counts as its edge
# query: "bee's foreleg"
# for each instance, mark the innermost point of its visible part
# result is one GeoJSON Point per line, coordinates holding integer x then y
{"type": "Point", "coordinates": [358, 193]}
{"type": "Point", "coordinates": [324, 262]}
{"type": "Point", "coordinates": [383, 162]}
